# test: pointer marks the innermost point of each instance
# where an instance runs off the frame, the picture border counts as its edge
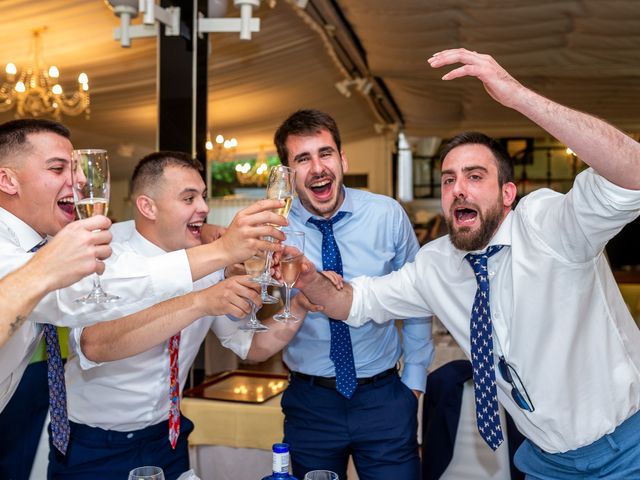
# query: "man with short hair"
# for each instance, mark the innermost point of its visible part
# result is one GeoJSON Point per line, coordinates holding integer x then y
{"type": "Point", "coordinates": [527, 292]}
{"type": "Point", "coordinates": [345, 396]}
{"type": "Point", "coordinates": [120, 375]}
{"type": "Point", "coordinates": [36, 202]}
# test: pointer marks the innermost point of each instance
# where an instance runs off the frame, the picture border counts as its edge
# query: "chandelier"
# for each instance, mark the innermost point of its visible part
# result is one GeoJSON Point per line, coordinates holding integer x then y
{"type": "Point", "coordinates": [223, 150]}
{"type": "Point", "coordinates": [35, 92]}
{"type": "Point", "coordinates": [256, 174]}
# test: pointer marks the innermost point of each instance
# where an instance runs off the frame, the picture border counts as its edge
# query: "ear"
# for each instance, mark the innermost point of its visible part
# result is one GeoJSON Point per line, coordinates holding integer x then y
{"type": "Point", "coordinates": [509, 193]}
{"type": "Point", "coordinates": [9, 182]}
{"type": "Point", "coordinates": [146, 206]}
{"type": "Point", "coordinates": [343, 161]}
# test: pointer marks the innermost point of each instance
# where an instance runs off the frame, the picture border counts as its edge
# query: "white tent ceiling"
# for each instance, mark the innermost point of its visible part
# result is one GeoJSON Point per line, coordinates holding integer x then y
{"type": "Point", "coordinates": [585, 53]}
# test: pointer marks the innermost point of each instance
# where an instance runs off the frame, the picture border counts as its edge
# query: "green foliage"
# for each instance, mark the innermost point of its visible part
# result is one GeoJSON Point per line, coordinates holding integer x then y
{"type": "Point", "coordinates": [223, 175]}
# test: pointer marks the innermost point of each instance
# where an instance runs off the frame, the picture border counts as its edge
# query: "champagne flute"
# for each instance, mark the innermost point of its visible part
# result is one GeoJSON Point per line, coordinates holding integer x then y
{"type": "Point", "coordinates": [146, 473]}
{"type": "Point", "coordinates": [91, 183]}
{"type": "Point", "coordinates": [290, 265]}
{"type": "Point", "coordinates": [280, 186]}
{"type": "Point", "coordinates": [254, 266]}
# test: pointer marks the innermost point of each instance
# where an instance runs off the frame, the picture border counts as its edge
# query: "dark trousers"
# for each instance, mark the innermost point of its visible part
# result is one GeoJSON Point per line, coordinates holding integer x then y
{"type": "Point", "coordinates": [377, 426]}
{"type": "Point", "coordinates": [21, 423]}
{"type": "Point", "coordinates": [106, 454]}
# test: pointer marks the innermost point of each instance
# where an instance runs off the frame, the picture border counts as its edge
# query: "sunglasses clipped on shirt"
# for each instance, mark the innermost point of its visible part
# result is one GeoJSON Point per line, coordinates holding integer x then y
{"type": "Point", "coordinates": [518, 392]}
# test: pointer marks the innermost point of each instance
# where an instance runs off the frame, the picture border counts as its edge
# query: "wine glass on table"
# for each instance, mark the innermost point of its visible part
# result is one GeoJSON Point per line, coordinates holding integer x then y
{"type": "Point", "coordinates": [290, 265]}
{"type": "Point", "coordinates": [280, 186]}
{"type": "Point", "coordinates": [254, 266]}
{"type": "Point", "coordinates": [91, 184]}
{"type": "Point", "coordinates": [146, 473]}
{"type": "Point", "coordinates": [321, 475]}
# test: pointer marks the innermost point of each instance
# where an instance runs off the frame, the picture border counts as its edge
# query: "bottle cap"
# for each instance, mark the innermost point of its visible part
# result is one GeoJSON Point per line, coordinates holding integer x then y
{"type": "Point", "coordinates": [280, 447]}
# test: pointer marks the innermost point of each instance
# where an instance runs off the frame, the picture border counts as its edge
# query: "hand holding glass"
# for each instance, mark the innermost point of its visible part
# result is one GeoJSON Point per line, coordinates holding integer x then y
{"type": "Point", "coordinates": [280, 186]}
{"type": "Point", "coordinates": [254, 266]}
{"type": "Point", "coordinates": [290, 265]}
{"type": "Point", "coordinates": [91, 184]}
{"type": "Point", "coordinates": [146, 473]}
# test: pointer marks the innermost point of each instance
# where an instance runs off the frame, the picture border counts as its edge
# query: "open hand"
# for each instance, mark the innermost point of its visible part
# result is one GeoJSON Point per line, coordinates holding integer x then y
{"type": "Point", "coordinates": [496, 80]}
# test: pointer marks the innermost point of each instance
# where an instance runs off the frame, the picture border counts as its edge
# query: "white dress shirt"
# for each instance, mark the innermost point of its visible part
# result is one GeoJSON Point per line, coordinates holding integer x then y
{"type": "Point", "coordinates": [137, 281]}
{"type": "Point", "coordinates": [133, 393]}
{"type": "Point", "coordinates": [558, 316]}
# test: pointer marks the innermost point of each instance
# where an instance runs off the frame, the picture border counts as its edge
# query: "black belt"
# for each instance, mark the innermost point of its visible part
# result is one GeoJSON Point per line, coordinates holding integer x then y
{"type": "Point", "coordinates": [330, 382]}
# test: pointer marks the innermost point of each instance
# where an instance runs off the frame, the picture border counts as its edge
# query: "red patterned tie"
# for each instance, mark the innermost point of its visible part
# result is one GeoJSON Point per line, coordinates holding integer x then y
{"type": "Point", "coordinates": [174, 391]}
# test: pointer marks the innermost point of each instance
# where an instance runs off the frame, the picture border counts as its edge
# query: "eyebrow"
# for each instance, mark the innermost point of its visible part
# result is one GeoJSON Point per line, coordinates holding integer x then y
{"type": "Point", "coordinates": [192, 190]}
{"type": "Point", "coordinates": [56, 159]}
{"type": "Point", "coordinates": [465, 170]}
{"type": "Point", "coordinates": [325, 149]}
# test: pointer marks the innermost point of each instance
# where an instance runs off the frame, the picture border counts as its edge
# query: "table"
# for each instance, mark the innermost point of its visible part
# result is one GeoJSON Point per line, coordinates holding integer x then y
{"type": "Point", "coordinates": [233, 440]}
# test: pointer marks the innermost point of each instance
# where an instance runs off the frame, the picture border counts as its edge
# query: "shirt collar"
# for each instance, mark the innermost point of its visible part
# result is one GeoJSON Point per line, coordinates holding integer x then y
{"type": "Point", "coordinates": [143, 246]}
{"type": "Point", "coordinates": [304, 215]}
{"type": "Point", "coordinates": [22, 233]}
{"type": "Point", "coordinates": [501, 237]}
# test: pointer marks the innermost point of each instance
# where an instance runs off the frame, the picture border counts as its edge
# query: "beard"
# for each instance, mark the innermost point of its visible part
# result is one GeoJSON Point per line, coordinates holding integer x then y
{"type": "Point", "coordinates": [467, 240]}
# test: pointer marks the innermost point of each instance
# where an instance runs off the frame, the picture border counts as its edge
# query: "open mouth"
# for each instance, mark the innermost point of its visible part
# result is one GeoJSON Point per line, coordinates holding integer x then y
{"type": "Point", "coordinates": [465, 215]}
{"type": "Point", "coordinates": [195, 228]}
{"type": "Point", "coordinates": [67, 205]}
{"type": "Point", "coordinates": [321, 188]}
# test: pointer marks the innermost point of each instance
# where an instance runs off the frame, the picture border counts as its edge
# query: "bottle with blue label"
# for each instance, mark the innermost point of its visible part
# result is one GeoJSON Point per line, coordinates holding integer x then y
{"type": "Point", "coordinates": [280, 463]}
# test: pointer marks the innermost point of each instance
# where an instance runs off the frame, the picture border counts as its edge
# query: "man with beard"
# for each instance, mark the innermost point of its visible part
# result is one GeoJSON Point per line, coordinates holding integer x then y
{"type": "Point", "coordinates": [119, 373]}
{"type": "Point", "coordinates": [345, 396]}
{"type": "Point", "coordinates": [527, 292]}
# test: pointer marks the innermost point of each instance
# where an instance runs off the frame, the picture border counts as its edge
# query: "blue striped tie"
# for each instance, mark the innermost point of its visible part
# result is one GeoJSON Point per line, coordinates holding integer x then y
{"type": "Point", "coordinates": [341, 351]}
{"type": "Point", "coordinates": [55, 377]}
{"type": "Point", "coordinates": [481, 337]}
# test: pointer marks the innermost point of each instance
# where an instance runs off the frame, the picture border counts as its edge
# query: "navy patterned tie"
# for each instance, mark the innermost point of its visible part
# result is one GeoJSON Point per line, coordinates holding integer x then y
{"type": "Point", "coordinates": [484, 373]}
{"type": "Point", "coordinates": [341, 351]}
{"type": "Point", "coordinates": [55, 378]}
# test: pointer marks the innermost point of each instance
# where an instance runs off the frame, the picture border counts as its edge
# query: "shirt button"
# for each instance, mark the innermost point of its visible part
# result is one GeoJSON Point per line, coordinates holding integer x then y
{"type": "Point", "coordinates": [491, 273]}
{"type": "Point", "coordinates": [129, 435]}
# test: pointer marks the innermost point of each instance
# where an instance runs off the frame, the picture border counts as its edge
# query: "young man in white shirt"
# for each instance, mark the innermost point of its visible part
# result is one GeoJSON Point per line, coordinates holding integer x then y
{"type": "Point", "coordinates": [552, 337]}
{"type": "Point", "coordinates": [36, 202]}
{"type": "Point", "coordinates": [119, 409]}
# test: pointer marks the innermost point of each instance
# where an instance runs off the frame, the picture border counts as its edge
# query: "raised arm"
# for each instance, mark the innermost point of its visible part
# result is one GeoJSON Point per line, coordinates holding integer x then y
{"type": "Point", "coordinates": [242, 239]}
{"type": "Point", "coordinates": [67, 258]}
{"type": "Point", "coordinates": [610, 152]}
{"type": "Point", "coordinates": [136, 333]}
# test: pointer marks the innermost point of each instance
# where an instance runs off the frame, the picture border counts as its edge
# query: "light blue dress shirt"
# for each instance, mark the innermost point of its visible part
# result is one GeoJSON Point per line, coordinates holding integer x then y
{"type": "Point", "coordinates": [375, 237]}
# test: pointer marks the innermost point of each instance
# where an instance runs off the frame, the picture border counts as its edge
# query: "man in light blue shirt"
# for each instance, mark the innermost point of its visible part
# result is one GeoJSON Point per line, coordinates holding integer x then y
{"type": "Point", "coordinates": [376, 423]}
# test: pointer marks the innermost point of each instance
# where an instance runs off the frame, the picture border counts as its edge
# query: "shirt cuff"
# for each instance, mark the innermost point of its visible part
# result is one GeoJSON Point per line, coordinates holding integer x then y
{"type": "Point", "coordinates": [85, 363]}
{"type": "Point", "coordinates": [622, 198]}
{"type": "Point", "coordinates": [356, 317]}
{"type": "Point", "coordinates": [414, 377]}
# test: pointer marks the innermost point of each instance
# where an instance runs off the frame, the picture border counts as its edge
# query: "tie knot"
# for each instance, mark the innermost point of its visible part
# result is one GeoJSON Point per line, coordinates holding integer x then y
{"type": "Point", "coordinates": [478, 261]}
{"type": "Point", "coordinates": [326, 226]}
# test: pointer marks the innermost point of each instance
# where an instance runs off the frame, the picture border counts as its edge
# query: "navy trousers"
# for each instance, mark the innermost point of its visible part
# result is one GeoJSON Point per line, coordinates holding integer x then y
{"type": "Point", "coordinates": [21, 423]}
{"type": "Point", "coordinates": [106, 454]}
{"type": "Point", "coordinates": [378, 426]}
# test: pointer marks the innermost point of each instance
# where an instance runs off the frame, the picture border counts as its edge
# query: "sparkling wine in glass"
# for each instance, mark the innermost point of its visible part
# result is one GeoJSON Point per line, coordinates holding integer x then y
{"type": "Point", "coordinates": [280, 186]}
{"type": "Point", "coordinates": [91, 183]}
{"type": "Point", "coordinates": [254, 266]}
{"type": "Point", "coordinates": [290, 265]}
